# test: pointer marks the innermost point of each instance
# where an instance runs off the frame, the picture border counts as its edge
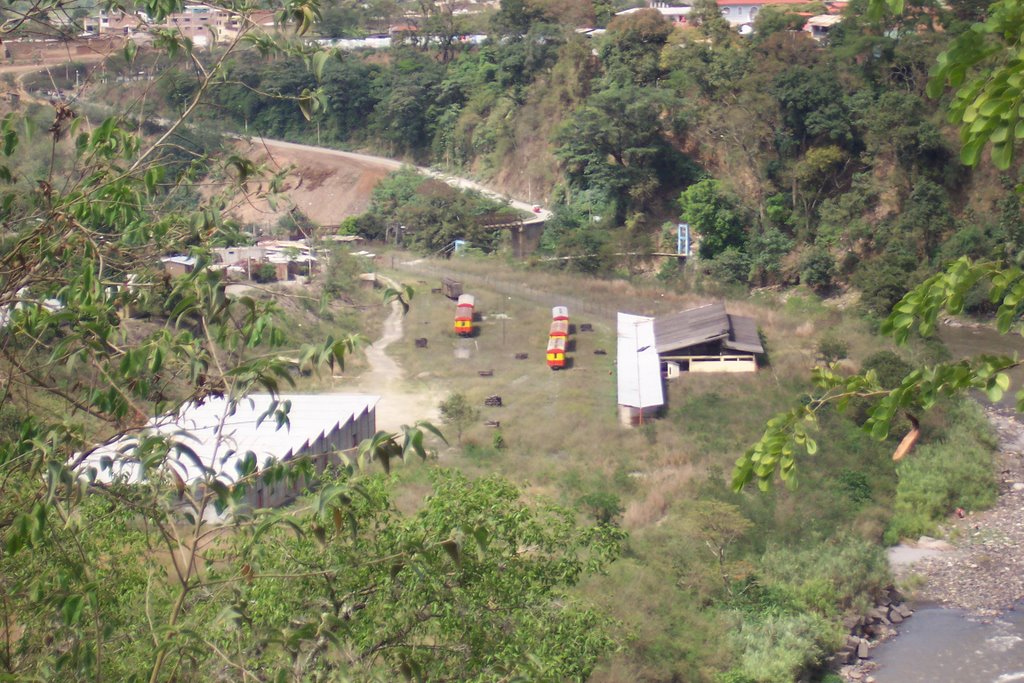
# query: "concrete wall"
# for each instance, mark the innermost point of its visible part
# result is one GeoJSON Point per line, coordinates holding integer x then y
{"type": "Point", "coordinates": [630, 416]}
{"type": "Point", "coordinates": [724, 364]}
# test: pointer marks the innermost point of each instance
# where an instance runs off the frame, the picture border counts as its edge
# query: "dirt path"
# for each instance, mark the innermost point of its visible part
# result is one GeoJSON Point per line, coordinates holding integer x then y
{"type": "Point", "coordinates": [329, 184]}
{"type": "Point", "coordinates": [403, 401]}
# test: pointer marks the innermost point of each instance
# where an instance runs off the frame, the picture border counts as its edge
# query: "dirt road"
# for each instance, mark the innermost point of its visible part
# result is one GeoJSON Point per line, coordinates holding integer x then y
{"type": "Point", "coordinates": [329, 185]}
{"type": "Point", "coordinates": [403, 401]}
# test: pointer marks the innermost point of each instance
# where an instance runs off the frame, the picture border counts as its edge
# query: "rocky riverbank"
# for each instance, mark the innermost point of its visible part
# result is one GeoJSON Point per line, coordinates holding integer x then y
{"type": "Point", "coordinates": [865, 632]}
{"type": "Point", "coordinates": [979, 569]}
{"type": "Point", "coordinates": [983, 571]}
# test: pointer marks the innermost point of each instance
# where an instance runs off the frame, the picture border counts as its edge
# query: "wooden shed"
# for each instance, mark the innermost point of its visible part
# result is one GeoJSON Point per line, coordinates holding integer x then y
{"type": "Point", "coordinates": [707, 339]}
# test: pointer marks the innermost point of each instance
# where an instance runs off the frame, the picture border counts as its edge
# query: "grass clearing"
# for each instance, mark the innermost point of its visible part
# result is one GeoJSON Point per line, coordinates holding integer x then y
{"type": "Point", "coordinates": [560, 439]}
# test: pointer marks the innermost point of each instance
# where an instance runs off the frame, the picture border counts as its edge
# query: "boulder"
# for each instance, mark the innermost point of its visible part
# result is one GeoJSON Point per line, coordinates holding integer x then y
{"type": "Point", "coordinates": [862, 649]}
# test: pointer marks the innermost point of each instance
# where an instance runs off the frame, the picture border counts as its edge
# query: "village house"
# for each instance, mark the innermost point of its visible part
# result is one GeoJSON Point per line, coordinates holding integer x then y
{"type": "Point", "coordinates": [820, 25]}
{"type": "Point", "coordinates": [178, 264]}
{"type": "Point", "coordinates": [674, 13]}
{"type": "Point", "coordinates": [740, 12]}
{"type": "Point", "coordinates": [202, 24]}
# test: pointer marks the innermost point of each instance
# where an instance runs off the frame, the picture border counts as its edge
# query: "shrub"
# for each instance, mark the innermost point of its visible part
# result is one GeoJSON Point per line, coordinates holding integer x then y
{"type": "Point", "coordinates": [827, 578]}
{"type": "Point", "coordinates": [854, 485]}
{"type": "Point", "coordinates": [731, 266]}
{"type": "Point", "coordinates": [831, 349]}
{"type": "Point", "coordinates": [890, 368]}
{"type": "Point", "coordinates": [940, 477]}
{"type": "Point", "coordinates": [817, 268]}
{"type": "Point", "coordinates": [265, 272]}
{"type": "Point", "coordinates": [780, 647]}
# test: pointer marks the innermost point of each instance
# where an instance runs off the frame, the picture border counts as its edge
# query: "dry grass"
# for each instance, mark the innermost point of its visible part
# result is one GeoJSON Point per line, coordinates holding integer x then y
{"type": "Point", "coordinates": [560, 428]}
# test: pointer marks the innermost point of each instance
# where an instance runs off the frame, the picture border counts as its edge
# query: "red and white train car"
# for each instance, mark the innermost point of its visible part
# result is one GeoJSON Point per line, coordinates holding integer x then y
{"type": "Point", "coordinates": [464, 315]}
{"type": "Point", "coordinates": [558, 336]}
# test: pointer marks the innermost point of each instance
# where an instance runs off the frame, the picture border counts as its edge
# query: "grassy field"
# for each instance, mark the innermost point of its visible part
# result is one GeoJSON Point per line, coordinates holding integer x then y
{"type": "Point", "coordinates": [560, 429]}
{"type": "Point", "coordinates": [799, 558]}
{"type": "Point", "coordinates": [562, 440]}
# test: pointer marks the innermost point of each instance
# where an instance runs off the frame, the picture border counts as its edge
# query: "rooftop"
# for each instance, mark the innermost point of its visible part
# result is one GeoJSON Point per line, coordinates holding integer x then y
{"type": "Point", "coordinates": [706, 324]}
{"type": "Point", "coordinates": [638, 365]}
{"type": "Point", "coordinates": [210, 437]}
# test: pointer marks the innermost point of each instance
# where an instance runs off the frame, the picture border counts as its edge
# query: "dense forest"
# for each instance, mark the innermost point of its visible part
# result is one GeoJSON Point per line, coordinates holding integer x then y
{"type": "Point", "coordinates": [795, 161]}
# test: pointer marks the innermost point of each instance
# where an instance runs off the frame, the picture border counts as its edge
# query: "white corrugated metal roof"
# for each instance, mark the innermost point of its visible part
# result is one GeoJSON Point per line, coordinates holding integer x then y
{"type": "Point", "coordinates": [180, 259]}
{"type": "Point", "coordinates": [219, 440]}
{"type": "Point", "coordinates": [639, 369]}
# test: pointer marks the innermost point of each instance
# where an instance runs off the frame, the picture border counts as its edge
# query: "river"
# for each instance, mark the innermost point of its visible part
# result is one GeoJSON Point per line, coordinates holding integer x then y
{"type": "Point", "coordinates": [940, 645]}
{"type": "Point", "coordinates": [963, 342]}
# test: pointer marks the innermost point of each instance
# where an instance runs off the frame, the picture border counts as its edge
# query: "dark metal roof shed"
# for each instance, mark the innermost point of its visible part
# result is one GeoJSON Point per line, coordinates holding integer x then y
{"type": "Point", "coordinates": [703, 325]}
{"type": "Point", "coordinates": [743, 335]}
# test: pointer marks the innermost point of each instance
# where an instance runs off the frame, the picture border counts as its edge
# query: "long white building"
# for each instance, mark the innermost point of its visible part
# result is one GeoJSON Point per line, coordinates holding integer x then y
{"type": "Point", "coordinates": [213, 439]}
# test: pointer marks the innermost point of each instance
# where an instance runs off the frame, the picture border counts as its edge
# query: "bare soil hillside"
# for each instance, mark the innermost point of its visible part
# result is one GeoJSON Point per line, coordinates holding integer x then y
{"type": "Point", "coordinates": [325, 185]}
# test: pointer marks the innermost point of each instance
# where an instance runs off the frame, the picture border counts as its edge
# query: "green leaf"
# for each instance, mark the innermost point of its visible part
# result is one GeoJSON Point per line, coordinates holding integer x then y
{"type": "Point", "coordinates": [1002, 155]}
{"type": "Point", "coordinates": [319, 59]}
{"type": "Point", "coordinates": [71, 610]}
{"type": "Point", "coordinates": [130, 50]}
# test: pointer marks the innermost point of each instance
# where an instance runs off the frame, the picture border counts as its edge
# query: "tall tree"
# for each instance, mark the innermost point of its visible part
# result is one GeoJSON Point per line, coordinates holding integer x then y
{"type": "Point", "coordinates": [633, 45]}
{"type": "Point", "coordinates": [715, 215]}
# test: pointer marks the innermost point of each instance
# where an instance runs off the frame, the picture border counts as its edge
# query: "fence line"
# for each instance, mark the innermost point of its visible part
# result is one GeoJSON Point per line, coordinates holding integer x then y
{"type": "Point", "coordinates": [606, 311]}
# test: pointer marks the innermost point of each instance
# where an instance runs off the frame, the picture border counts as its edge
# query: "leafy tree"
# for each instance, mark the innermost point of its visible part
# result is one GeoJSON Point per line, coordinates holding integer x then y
{"type": "Point", "coordinates": [457, 411]}
{"type": "Point", "coordinates": [708, 18]}
{"type": "Point", "coordinates": [813, 106]}
{"type": "Point", "coordinates": [832, 349]}
{"type": "Point", "coordinates": [817, 268]}
{"type": "Point", "coordinates": [888, 366]}
{"type": "Point", "coordinates": [339, 20]}
{"type": "Point", "coordinates": [767, 249]}
{"type": "Point", "coordinates": [605, 507]}
{"type": "Point", "coordinates": [714, 214]}
{"type": "Point", "coordinates": [730, 266]}
{"type": "Point", "coordinates": [633, 45]}
{"type": "Point", "coordinates": [615, 144]}
{"type": "Point", "coordinates": [400, 593]}
{"type": "Point", "coordinates": [718, 525]}
{"type": "Point", "coordinates": [515, 17]}
{"type": "Point", "coordinates": [771, 20]}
